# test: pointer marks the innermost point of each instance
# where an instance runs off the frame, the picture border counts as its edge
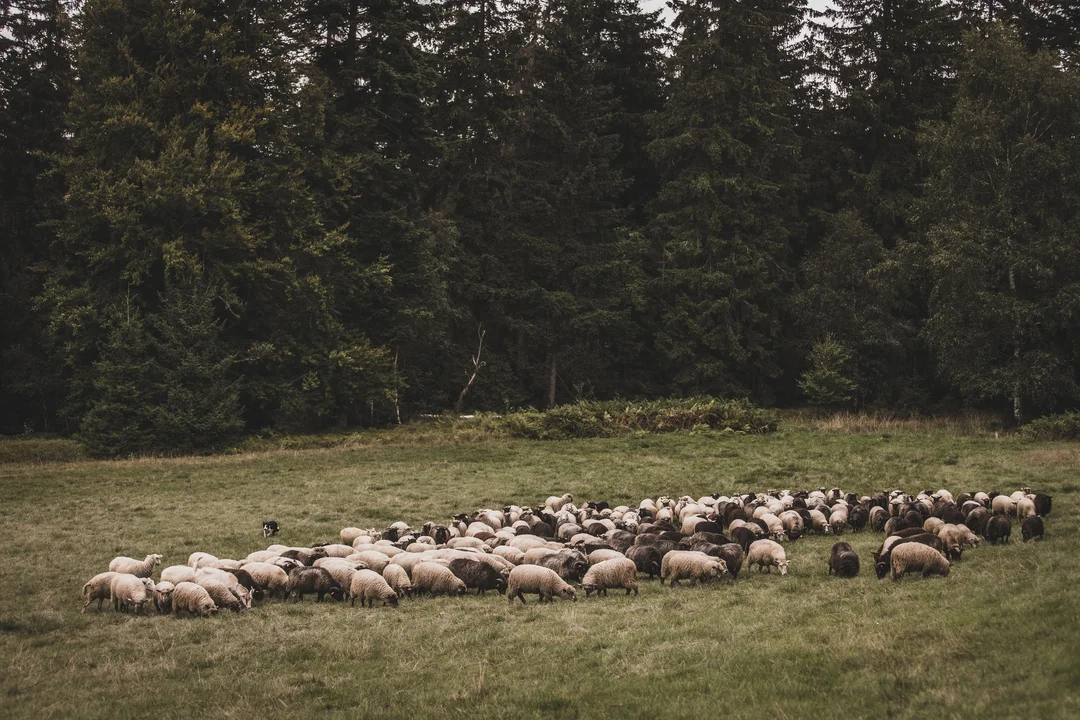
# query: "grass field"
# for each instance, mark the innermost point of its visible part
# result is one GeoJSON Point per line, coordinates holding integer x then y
{"type": "Point", "coordinates": [999, 638]}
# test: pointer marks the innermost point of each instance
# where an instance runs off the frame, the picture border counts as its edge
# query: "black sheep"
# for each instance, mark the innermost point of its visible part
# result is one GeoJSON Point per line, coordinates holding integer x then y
{"type": "Point", "coordinates": [712, 537]}
{"type": "Point", "coordinates": [569, 564]}
{"type": "Point", "coordinates": [733, 555]}
{"type": "Point", "coordinates": [709, 527]}
{"type": "Point", "coordinates": [858, 516]}
{"type": "Point", "coordinates": [706, 547]}
{"type": "Point", "coordinates": [743, 537]}
{"type": "Point", "coordinates": [843, 561]}
{"type": "Point", "coordinates": [647, 559]}
{"type": "Point", "coordinates": [244, 578]}
{"type": "Point", "coordinates": [479, 575]}
{"type": "Point", "coordinates": [1032, 527]}
{"type": "Point", "coordinates": [1042, 504]}
{"type": "Point", "coordinates": [312, 580]}
{"type": "Point", "coordinates": [620, 540]}
{"type": "Point", "coordinates": [999, 527]}
{"type": "Point", "coordinates": [308, 558]}
{"type": "Point", "coordinates": [896, 523]}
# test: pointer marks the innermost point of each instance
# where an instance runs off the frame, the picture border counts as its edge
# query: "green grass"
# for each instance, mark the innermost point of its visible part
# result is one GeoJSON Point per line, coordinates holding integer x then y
{"type": "Point", "coordinates": [998, 638]}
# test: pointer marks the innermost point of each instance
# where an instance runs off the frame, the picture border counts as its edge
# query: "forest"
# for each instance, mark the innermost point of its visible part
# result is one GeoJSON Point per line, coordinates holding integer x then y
{"type": "Point", "coordinates": [226, 216]}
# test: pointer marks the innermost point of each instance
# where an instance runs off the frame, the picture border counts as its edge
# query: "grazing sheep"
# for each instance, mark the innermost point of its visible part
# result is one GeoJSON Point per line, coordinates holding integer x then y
{"type": "Point", "coordinates": [1043, 504]}
{"type": "Point", "coordinates": [479, 575]}
{"type": "Point", "coordinates": [976, 520]}
{"type": "Point", "coordinates": [271, 579]}
{"type": "Point", "coordinates": [614, 573]}
{"type": "Point", "coordinates": [882, 556]}
{"type": "Point", "coordinates": [766, 554]}
{"type": "Point", "coordinates": [342, 571]}
{"type": "Point", "coordinates": [222, 596]}
{"type": "Point", "coordinates": [306, 556]}
{"type": "Point", "coordinates": [933, 525]}
{"type": "Point", "coordinates": [916, 557]}
{"type": "Point", "coordinates": [97, 588]}
{"type": "Point", "coordinates": [200, 557]}
{"type": "Point", "coordinates": [1025, 508]}
{"type": "Point", "coordinates": [878, 517]}
{"type": "Point", "coordinates": [646, 558]}
{"type": "Point", "coordinates": [599, 556]}
{"type": "Point", "coordinates": [510, 554]}
{"type": "Point", "coordinates": [348, 535]}
{"type": "Point", "coordinates": [372, 560]}
{"type": "Point", "coordinates": [138, 568]}
{"type": "Point", "coordinates": [398, 579]}
{"type": "Point", "coordinates": [435, 579]}
{"type": "Point", "coordinates": [370, 586]}
{"type": "Point", "coordinates": [843, 561]}
{"type": "Point", "coordinates": [556, 503]}
{"type": "Point", "coordinates": [1032, 527]}
{"type": "Point", "coordinates": [163, 597]}
{"type": "Point", "coordinates": [312, 580]}
{"type": "Point", "coordinates": [335, 550]}
{"type": "Point", "coordinates": [130, 592]}
{"type": "Point", "coordinates": [540, 580]}
{"type": "Point", "coordinates": [177, 574]}
{"type": "Point", "coordinates": [698, 567]}
{"type": "Point", "coordinates": [733, 557]}
{"type": "Point", "coordinates": [192, 599]}
{"type": "Point", "coordinates": [570, 564]}
{"type": "Point", "coordinates": [743, 537]}
{"type": "Point", "coordinates": [998, 528]}
{"type": "Point", "coordinates": [1003, 505]}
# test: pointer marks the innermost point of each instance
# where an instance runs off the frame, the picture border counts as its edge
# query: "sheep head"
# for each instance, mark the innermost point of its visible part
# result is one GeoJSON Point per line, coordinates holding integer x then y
{"type": "Point", "coordinates": [783, 565]}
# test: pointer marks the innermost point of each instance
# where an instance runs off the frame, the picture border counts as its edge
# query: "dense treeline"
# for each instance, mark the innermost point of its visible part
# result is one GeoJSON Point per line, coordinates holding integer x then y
{"type": "Point", "coordinates": [220, 215]}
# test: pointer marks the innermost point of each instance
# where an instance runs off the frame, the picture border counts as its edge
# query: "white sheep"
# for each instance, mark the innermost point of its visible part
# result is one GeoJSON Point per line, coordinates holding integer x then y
{"type": "Point", "coordinates": [540, 580]}
{"type": "Point", "coordinates": [510, 554]}
{"type": "Point", "coordinates": [1002, 505]}
{"type": "Point", "coordinates": [222, 596]}
{"type": "Point", "coordinates": [338, 551]}
{"type": "Point", "coordinates": [192, 599]}
{"type": "Point", "coordinates": [688, 564]}
{"type": "Point", "coordinates": [163, 596]}
{"type": "Point", "coordinates": [177, 574]}
{"type": "Point", "coordinates": [138, 568]}
{"type": "Point", "coordinates": [766, 553]}
{"type": "Point", "coordinates": [372, 559]}
{"type": "Point", "coordinates": [436, 579]}
{"type": "Point", "coordinates": [97, 588]}
{"type": "Point", "coordinates": [130, 592]}
{"type": "Point", "coordinates": [599, 556]}
{"type": "Point", "coordinates": [272, 579]}
{"type": "Point", "coordinates": [467, 542]}
{"type": "Point", "coordinates": [1025, 508]}
{"type": "Point", "coordinates": [618, 572]}
{"type": "Point", "coordinates": [370, 586]}
{"type": "Point", "coordinates": [556, 503]}
{"type": "Point", "coordinates": [195, 558]}
{"type": "Point", "coordinates": [398, 579]}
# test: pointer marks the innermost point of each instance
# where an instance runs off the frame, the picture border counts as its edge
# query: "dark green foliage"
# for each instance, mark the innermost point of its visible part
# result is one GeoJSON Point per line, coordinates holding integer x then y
{"type": "Point", "coordinates": [1000, 211]}
{"type": "Point", "coordinates": [723, 218]}
{"type": "Point", "coordinates": [613, 418]}
{"type": "Point", "coordinates": [827, 381]}
{"type": "Point", "coordinates": [1065, 426]}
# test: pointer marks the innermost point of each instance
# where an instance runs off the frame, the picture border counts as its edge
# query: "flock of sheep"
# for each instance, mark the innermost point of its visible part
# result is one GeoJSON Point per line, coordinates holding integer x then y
{"type": "Point", "coordinates": [547, 550]}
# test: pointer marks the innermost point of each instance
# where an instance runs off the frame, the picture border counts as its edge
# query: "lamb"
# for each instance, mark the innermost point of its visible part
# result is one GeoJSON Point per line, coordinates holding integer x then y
{"type": "Point", "coordinates": [398, 579]}
{"type": "Point", "coordinates": [767, 553]}
{"type": "Point", "coordinates": [312, 580]}
{"type": "Point", "coordinates": [479, 575]}
{"type": "Point", "coordinates": [614, 573]}
{"type": "Point", "coordinates": [130, 592]}
{"type": "Point", "coordinates": [370, 586]}
{"type": "Point", "coordinates": [435, 579]}
{"type": "Point", "coordinates": [843, 561]}
{"type": "Point", "coordinates": [138, 568]}
{"type": "Point", "coordinates": [1032, 527]}
{"type": "Point", "coordinates": [698, 567]}
{"type": "Point", "coordinates": [272, 579]}
{"type": "Point", "coordinates": [647, 559]}
{"type": "Point", "coordinates": [540, 580]}
{"type": "Point", "coordinates": [97, 588]}
{"type": "Point", "coordinates": [192, 599]}
{"type": "Point", "coordinates": [999, 527]}
{"type": "Point", "coordinates": [916, 557]}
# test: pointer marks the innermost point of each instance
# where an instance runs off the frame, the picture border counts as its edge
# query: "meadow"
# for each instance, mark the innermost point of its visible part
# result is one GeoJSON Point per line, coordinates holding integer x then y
{"type": "Point", "coordinates": [999, 638]}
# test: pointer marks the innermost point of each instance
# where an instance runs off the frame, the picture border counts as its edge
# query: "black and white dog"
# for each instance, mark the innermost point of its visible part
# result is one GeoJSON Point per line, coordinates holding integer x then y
{"type": "Point", "coordinates": [270, 527]}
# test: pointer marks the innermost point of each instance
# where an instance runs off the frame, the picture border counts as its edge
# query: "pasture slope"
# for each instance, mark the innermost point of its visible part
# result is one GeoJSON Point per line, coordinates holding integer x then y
{"type": "Point", "coordinates": [999, 638]}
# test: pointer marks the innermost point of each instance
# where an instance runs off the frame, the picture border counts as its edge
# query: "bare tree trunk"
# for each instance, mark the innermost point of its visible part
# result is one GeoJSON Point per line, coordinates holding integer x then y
{"type": "Point", "coordinates": [477, 364]}
{"type": "Point", "coordinates": [397, 408]}
{"type": "Point", "coordinates": [1018, 401]}
{"type": "Point", "coordinates": [551, 383]}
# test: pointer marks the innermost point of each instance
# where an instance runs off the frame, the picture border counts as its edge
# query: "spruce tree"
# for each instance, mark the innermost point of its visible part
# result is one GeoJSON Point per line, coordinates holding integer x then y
{"type": "Point", "coordinates": [999, 212]}
{"type": "Point", "coordinates": [722, 221]}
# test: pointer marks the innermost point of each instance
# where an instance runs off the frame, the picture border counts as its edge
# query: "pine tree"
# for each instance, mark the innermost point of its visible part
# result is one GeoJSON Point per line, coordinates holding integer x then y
{"type": "Point", "coordinates": [723, 219]}
{"type": "Point", "coordinates": [1005, 250]}
{"type": "Point", "coordinates": [826, 383]}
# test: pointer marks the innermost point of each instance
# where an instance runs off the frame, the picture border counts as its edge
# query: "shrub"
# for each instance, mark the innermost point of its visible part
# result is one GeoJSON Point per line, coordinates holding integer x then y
{"type": "Point", "coordinates": [1065, 426]}
{"type": "Point", "coordinates": [590, 419]}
